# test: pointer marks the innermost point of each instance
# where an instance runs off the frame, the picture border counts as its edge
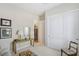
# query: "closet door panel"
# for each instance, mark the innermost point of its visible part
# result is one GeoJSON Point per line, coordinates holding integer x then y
{"type": "Point", "coordinates": [55, 31]}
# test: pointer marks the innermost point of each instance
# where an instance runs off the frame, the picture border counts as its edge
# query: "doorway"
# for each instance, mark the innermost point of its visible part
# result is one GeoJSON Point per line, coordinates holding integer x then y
{"type": "Point", "coordinates": [35, 33]}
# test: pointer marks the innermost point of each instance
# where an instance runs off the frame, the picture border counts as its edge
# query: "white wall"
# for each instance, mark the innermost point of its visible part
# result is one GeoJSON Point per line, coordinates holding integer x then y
{"type": "Point", "coordinates": [41, 29]}
{"type": "Point", "coordinates": [66, 17]}
{"type": "Point", "coordinates": [20, 19]}
{"type": "Point", "coordinates": [64, 7]}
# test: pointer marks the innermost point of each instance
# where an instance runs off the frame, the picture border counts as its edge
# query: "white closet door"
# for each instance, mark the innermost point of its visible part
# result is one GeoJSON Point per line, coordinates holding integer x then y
{"type": "Point", "coordinates": [62, 28]}
{"type": "Point", "coordinates": [55, 31]}
{"type": "Point", "coordinates": [68, 25]}
{"type": "Point", "coordinates": [71, 25]}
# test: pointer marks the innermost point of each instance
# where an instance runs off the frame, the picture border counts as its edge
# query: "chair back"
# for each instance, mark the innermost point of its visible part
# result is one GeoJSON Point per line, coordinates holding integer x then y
{"type": "Point", "coordinates": [73, 46]}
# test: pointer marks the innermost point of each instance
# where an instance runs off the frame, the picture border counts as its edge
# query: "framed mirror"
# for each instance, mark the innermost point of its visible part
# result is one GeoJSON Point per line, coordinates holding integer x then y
{"type": "Point", "coordinates": [5, 33]}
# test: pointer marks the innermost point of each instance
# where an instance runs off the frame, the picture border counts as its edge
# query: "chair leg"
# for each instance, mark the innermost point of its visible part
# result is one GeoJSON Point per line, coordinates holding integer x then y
{"type": "Point", "coordinates": [61, 52]}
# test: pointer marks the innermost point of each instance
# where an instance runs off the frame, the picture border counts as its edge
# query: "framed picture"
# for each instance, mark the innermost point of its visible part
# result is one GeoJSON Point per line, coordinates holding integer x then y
{"type": "Point", "coordinates": [5, 33]}
{"type": "Point", "coordinates": [5, 22]}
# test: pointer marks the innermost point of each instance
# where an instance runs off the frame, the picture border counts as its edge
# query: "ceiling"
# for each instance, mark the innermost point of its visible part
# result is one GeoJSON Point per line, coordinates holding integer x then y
{"type": "Point", "coordinates": [34, 8]}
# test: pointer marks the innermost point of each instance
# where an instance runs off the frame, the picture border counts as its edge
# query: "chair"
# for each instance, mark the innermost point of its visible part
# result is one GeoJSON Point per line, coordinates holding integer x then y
{"type": "Point", "coordinates": [72, 50]}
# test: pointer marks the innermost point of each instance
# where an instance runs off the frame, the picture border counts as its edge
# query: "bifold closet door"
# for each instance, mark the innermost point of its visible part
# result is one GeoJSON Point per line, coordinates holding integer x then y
{"type": "Point", "coordinates": [62, 28]}
{"type": "Point", "coordinates": [71, 25]}
{"type": "Point", "coordinates": [55, 31]}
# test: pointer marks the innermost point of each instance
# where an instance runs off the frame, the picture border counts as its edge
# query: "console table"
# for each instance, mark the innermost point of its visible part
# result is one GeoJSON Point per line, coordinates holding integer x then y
{"type": "Point", "coordinates": [20, 44]}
